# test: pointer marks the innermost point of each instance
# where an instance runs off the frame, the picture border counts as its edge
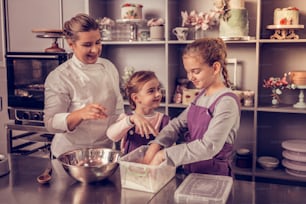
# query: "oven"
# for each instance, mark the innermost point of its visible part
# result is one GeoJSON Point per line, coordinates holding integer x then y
{"type": "Point", "coordinates": [26, 74]}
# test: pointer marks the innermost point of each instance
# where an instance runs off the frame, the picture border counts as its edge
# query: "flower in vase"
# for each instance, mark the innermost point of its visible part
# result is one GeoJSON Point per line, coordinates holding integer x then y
{"type": "Point", "coordinates": [204, 20]}
{"type": "Point", "coordinates": [156, 22]}
{"type": "Point", "coordinates": [277, 84]}
{"type": "Point", "coordinates": [105, 21]}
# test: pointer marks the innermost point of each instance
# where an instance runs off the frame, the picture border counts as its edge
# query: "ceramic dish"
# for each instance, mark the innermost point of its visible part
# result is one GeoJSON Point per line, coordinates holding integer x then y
{"type": "Point", "coordinates": [268, 163]}
{"type": "Point", "coordinates": [295, 145]}
{"type": "Point", "coordinates": [294, 156]}
{"type": "Point", "coordinates": [298, 166]}
{"type": "Point", "coordinates": [295, 173]}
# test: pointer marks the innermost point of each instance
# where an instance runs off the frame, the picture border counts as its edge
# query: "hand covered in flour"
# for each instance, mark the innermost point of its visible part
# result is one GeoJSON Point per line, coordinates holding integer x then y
{"type": "Point", "coordinates": [144, 127]}
{"type": "Point", "coordinates": [92, 111]}
{"type": "Point", "coordinates": [88, 112]}
{"type": "Point", "coordinates": [158, 158]}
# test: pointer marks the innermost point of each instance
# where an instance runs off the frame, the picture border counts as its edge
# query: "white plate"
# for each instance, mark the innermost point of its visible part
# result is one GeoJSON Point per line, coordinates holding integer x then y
{"type": "Point", "coordinates": [295, 145]}
{"type": "Point", "coordinates": [298, 166]}
{"type": "Point", "coordinates": [295, 173]}
{"type": "Point", "coordinates": [294, 156]}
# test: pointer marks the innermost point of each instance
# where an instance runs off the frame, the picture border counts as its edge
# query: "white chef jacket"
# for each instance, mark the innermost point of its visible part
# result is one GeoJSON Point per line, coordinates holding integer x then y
{"type": "Point", "coordinates": [70, 87]}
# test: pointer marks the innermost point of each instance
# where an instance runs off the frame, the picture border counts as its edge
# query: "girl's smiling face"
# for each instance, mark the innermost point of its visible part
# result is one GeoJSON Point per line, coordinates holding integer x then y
{"type": "Point", "coordinates": [199, 73]}
{"type": "Point", "coordinates": [87, 48]}
{"type": "Point", "coordinates": [149, 96]}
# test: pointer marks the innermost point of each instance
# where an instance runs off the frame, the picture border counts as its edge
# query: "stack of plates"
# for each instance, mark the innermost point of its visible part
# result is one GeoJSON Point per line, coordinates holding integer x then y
{"type": "Point", "coordinates": [294, 154]}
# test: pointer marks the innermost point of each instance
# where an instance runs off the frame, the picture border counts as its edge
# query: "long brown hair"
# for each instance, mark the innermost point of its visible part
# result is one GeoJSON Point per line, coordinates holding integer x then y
{"type": "Point", "coordinates": [135, 83]}
{"type": "Point", "coordinates": [210, 50]}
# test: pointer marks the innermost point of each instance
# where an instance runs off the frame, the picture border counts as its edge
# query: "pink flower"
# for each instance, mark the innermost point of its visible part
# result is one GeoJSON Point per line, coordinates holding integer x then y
{"type": "Point", "coordinates": [276, 82]}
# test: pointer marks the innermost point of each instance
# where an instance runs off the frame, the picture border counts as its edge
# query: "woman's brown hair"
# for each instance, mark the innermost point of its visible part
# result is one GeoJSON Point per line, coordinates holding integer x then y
{"type": "Point", "coordinates": [80, 23]}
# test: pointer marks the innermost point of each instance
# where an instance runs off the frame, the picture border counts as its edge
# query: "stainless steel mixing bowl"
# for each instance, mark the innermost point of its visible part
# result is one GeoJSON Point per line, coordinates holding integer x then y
{"type": "Point", "coordinates": [90, 164]}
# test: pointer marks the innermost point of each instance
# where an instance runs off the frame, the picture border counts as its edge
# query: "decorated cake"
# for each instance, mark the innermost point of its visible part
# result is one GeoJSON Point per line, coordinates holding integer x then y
{"type": "Point", "coordinates": [298, 78]}
{"type": "Point", "coordinates": [234, 22]}
{"type": "Point", "coordinates": [286, 16]}
{"type": "Point", "coordinates": [131, 11]}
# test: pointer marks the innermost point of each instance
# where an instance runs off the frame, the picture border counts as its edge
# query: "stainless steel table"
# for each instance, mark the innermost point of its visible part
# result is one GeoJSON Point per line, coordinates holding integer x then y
{"type": "Point", "coordinates": [20, 186]}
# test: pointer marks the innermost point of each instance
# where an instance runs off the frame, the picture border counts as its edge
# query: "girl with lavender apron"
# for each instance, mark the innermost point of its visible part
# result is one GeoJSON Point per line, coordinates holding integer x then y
{"type": "Point", "coordinates": [201, 116]}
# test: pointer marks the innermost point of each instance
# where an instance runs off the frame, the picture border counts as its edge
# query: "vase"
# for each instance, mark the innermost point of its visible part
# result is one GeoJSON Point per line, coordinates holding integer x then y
{"type": "Point", "coordinates": [275, 98]}
{"type": "Point", "coordinates": [157, 32]}
{"type": "Point", "coordinates": [198, 34]}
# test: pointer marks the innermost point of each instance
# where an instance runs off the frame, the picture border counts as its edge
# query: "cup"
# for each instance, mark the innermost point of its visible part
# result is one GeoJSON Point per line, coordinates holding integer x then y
{"type": "Point", "coordinates": [180, 32]}
{"type": "Point", "coordinates": [157, 32]}
{"type": "Point", "coordinates": [248, 97]}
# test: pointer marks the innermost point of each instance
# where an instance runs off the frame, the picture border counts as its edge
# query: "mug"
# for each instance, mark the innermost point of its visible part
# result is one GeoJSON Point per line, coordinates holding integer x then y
{"type": "Point", "coordinates": [180, 32]}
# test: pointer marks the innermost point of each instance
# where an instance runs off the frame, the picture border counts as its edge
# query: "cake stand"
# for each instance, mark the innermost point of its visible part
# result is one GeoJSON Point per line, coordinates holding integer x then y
{"type": "Point", "coordinates": [53, 34]}
{"type": "Point", "coordinates": [300, 103]}
{"type": "Point", "coordinates": [283, 32]}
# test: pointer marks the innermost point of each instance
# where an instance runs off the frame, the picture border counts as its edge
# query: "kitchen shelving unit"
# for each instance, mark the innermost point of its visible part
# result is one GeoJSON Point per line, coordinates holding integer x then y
{"type": "Point", "coordinates": [263, 127]}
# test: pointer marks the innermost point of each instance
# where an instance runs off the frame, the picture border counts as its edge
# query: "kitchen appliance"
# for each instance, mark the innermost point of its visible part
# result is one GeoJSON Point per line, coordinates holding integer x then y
{"type": "Point", "coordinates": [26, 74]}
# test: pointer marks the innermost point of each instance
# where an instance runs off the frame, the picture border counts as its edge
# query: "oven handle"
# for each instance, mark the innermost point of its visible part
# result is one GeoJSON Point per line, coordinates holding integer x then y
{"type": "Point", "coordinates": [34, 56]}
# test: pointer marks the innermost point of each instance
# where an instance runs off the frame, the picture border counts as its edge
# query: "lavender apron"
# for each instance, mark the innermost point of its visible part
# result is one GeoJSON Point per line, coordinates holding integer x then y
{"type": "Point", "coordinates": [200, 117]}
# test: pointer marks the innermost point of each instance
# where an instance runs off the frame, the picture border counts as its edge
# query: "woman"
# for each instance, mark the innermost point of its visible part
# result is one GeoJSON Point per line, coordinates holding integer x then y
{"type": "Point", "coordinates": [212, 119]}
{"type": "Point", "coordinates": [82, 95]}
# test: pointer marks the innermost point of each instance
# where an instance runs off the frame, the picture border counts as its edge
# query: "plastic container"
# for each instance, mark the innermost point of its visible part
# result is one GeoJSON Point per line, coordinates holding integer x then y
{"type": "Point", "coordinates": [142, 177]}
{"type": "Point", "coordinates": [204, 188]}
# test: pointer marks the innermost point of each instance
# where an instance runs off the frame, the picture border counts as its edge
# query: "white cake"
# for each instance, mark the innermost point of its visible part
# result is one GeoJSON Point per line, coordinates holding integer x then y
{"type": "Point", "coordinates": [235, 22]}
{"type": "Point", "coordinates": [286, 16]}
{"type": "Point", "coordinates": [131, 11]}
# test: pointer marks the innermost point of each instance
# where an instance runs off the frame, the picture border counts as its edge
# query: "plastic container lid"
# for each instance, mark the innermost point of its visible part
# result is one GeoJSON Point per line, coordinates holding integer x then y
{"type": "Point", "coordinates": [202, 188]}
{"type": "Point", "coordinates": [295, 145]}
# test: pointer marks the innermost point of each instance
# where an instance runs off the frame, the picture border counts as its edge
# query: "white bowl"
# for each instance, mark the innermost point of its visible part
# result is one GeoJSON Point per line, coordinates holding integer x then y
{"type": "Point", "coordinates": [268, 163]}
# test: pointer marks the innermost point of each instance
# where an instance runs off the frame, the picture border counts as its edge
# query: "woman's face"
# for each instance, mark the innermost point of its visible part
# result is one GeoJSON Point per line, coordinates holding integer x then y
{"type": "Point", "coordinates": [87, 48]}
{"type": "Point", "coordinates": [199, 73]}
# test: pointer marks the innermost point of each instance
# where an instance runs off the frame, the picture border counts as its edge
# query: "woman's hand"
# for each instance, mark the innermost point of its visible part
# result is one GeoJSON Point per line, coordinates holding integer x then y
{"type": "Point", "coordinates": [92, 112]}
{"type": "Point", "coordinates": [145, 127]}
{"type": "Point", "coordinates": [89, 112]}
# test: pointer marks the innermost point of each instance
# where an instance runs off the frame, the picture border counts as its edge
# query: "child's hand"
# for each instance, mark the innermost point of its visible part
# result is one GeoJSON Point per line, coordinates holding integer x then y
{"type": "Point", "coordinates": [158, 158]}
{"type": "Point", "coordinates": [151, 152]}
{"type": "Point", "coordinates": [145, 128]}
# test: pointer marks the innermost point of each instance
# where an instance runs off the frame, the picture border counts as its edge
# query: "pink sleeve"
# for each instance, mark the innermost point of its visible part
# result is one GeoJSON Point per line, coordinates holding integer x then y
{"type": "Point", "coordinates": [118, 130]}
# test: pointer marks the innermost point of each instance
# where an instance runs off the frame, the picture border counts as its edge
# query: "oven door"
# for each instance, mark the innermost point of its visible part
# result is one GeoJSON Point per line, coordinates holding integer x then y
{"type": "Point", "coordinates": [26, 74]}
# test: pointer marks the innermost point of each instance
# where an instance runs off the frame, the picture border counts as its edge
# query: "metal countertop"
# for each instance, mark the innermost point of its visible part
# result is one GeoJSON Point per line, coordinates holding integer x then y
{"type": "Point", "coordinates": [20, 186]}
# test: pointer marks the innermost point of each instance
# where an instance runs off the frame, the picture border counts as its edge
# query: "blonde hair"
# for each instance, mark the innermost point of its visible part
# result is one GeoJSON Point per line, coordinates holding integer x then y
{"type": "Point", "coordinates": [80, 23]}
{"type": "Point", "coordinates": [210, 50]}
{"type": "Point", "coordinates": [135, 83]}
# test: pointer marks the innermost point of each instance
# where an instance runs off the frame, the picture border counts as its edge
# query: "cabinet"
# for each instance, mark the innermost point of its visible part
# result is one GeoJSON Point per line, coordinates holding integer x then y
{"type": "Point", "coordinates": [263, 127]}
{"type": "Point", "coordinates": [24, 16]}
{"type": "Point", "coordinates": [3, 104]}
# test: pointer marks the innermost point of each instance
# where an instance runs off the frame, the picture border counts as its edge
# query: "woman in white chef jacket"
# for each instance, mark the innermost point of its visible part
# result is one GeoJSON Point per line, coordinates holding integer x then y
{"type": "Point", "coordinates": [82, 95]}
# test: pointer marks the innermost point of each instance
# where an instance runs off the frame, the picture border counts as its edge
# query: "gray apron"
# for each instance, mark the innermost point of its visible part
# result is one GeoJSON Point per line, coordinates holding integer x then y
{"type": "Point", "coordinates": [200, 117]}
